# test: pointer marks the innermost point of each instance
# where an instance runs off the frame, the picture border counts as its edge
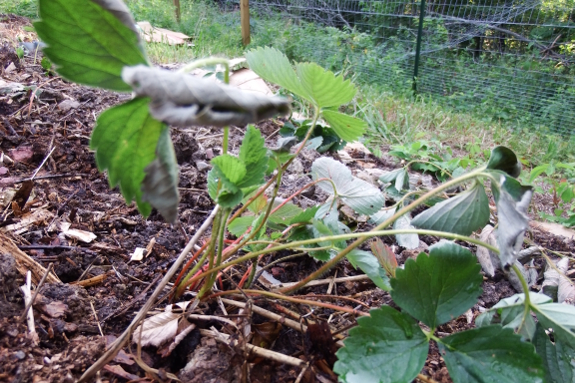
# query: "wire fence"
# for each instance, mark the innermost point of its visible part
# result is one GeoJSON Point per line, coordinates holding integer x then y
{"type": "Point", "coordinates": [512, 59]}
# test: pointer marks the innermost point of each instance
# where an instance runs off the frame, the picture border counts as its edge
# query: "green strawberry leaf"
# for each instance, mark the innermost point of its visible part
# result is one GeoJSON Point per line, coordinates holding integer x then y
{"type": "Point", "coordinates": [88, 43]}
{"type": "Point", "coordinates": [324, 87]}
{"type": "Point", "coordinates": [368, 263]}
{"type": "Point", "coordinates": [438, 288]}
{"type": "Point", "coordinates": [346, 127]}
{"type": "Point", "coordinates": [557, 358]}
{"type": "Point", "coordinates": [230, 167]}
{"type": "Point", "coordinates": [560, 317]}
{"type": "Point", "coordinates": [241, 224]}
{"type": "Point", "coordinates": [125, 140]}
{"type": "Point", "coordinates": [386, 347]}
{"type": "Point", "coordinates": [253, 154]}
{"type": "Point", "coordinates": [273, 66]}
{"type": "Point", "coordinates": [462, 214]}
{"type": "Point", "coordinates": [490, 354]}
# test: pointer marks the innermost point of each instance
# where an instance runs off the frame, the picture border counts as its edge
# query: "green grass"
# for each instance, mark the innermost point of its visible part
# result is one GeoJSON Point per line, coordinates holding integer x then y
{"type": "Point", "coordinates": [389, 108]}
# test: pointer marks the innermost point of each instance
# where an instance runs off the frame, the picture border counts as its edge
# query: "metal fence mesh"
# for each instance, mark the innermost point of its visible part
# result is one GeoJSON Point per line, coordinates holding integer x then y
{"type": "Point", "coordinates": [513, 59]}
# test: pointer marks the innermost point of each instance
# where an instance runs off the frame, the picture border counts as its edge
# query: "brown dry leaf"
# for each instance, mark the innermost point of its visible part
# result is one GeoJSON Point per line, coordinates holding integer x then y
{"type": "Point", "coordinates": [55, 309]}
{"type": "Point", "coordinates": [488, 260]}
{"type": "Point", "coordinates": [37, 217]}
{"type": "Point", "coordinates": [566, 290]}
{"type": "Point", "coordinates": [22, 195]}
{"type": "Point", "coordinates": [162, 328]}
{"type": "Point", "coordinates": [80, 235]}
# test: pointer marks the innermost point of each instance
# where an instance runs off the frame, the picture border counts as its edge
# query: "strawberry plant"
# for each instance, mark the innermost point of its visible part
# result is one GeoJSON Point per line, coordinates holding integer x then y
{"type": "Point", "coordinates": [94, 42]}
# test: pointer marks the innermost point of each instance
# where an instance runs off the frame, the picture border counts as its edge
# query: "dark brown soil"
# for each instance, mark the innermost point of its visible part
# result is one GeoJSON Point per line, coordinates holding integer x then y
{"type": "Point", "coordinates": [70, 319]}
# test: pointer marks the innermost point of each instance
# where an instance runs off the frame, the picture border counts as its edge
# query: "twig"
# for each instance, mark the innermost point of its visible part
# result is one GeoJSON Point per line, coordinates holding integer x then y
{"type": "Point", "coordinates": [425, 379]}
{"type": "Point", "coordinates": [258, 351]}
{"type": "Point", "coordinates": [56, 247]}
{"type": "Point", "coordinates": [270, 315]}
{"type": "Point", "coordinates": [29, 304]}
{"type": "Point", "coordinates": [96, 316]}
{"type": "Point", "coordinates": [319, 282]}
{"type": "Point", "coordinates": [34, 94]}
{"type": "Point", "coordinates": [43, 162]}
{"type": "Point", "coordinates": [122, 339]}
{"type": "Point", "coordinates": [26, 289]}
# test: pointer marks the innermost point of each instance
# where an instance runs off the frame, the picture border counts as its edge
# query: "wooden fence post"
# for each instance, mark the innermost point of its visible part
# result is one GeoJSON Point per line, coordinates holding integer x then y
{"type": "Point", "coordinates": [178, 10]}
{"type": "Point", "coordinates": [245, 21]}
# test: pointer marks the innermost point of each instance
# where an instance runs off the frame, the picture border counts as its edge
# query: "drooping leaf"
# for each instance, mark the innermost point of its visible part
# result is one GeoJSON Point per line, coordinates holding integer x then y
{"type": "Point", "coordinates": [513, 222]}
{"type": "Point", "coordinates": [184, 100]}
{"type": "Point", "coordinates": [88, 43]}
{"type": "Point", "coordinates": [385, 256]}
{"type": "Point", "coordinates": [382, 215]}
{"type": "Point", "coordinates": [389, 177]}
{"type": "Point", "coordinates": [305, 216]}
{"type": "Point", "coordinates": [125, 140]}
{"type": "Point", "coordinates": [491, 354]}
{"type": "Point", "coordinates": [558, 358]}
{"type": "Point", "coordinates": [409, 241]}
{"type": "Point", "coordinates": [348, 128]}
{"type": "Point", "coordinates": [387, 347]}
{"type": "Point", "coordinates": [509, 313]}
{"type": "Point", "coordinates": [324, 87]}
{"type": "Point", "coordinates": [462, 214]}
{"type": "Point", "coordinates": [253, 154]}
{"type": "Point", "coordinates": [286, 213]}
{"type": "Point", "coordinates": [240, 225]}
{"type": "Point", "coordinates": [273, 66]}
{"type": "Point", "coordinates": [438, 288]}
{"type": "Point", "coordinates": [360, 195]}
{"type": "Point", "coordinates": [231, 167]}
{"type": "Point", "coordinates": [160, 185]}
{"type": "Point", "coordinates": [370, 266]}
{"type": "Point", "coordinates": [161, 328]}
{"type": "Point", "coordinates": [504, 159]}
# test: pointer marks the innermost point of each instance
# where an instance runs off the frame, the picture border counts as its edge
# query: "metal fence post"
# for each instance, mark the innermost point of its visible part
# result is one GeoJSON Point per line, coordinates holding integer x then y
{"type": "Point", "coordinates": [418, 46]}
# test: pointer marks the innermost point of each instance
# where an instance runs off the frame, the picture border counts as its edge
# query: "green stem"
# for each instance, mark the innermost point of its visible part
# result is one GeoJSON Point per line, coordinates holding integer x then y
{"type": "Point", "coordinates": [365, 235]}
{"type": "Point", "coordinates": [527, 302]}
{"type": "Point", "coordinates": [209, 61]}
{"type": "Point", "coordinates": [328, 265]}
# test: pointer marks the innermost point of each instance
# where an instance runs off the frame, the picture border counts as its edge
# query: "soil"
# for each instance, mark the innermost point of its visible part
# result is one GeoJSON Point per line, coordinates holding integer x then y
{"type": "Point", "coordinates": [45, 125]}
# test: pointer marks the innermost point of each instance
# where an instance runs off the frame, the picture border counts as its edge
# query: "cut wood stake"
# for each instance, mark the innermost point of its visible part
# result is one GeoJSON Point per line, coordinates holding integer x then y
{"type": "Point", "coordinates": [245, 21]}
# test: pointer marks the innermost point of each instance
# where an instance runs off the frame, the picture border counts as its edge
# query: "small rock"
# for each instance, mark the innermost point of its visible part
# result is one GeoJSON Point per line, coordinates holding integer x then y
{"type": "Point", "coordinates": [20, 355]}
{"type": "Point", "coordinates": [66, 105]}
{"type": "Point", "coordinates": [201, 165]}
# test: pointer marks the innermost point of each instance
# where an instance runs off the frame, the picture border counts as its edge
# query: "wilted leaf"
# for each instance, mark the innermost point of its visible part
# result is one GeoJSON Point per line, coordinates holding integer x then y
{"type": "Point", "coordinates": [504, 159]}
{"type": "Point", "coordinates": [513, 222]}
{"type": "Point", "coordinates": [566, 290]}
{"type": "Point", "coordinates": [160, 185]}
{"type": "Point", "coordinates": [438, 288]}
{"type": "Point", "coordinates": [361, 196]}
{"type": "Point", "coordinates": [462, 214]}
{"type": "Point", "coordinates": [490, 354]}
{"type": "Point", "coordinates": [488, 260]}
{"type": "Point", "coordinates": [387, 347]}
{"type": "Point", "coordinates": [88, 43]}
{"type": "Point", "coordinates": [184, 100]}
{"type": "Point", "coordinates": [125, 140]}
{"type": "Point", "coordinates": [370, 266]}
